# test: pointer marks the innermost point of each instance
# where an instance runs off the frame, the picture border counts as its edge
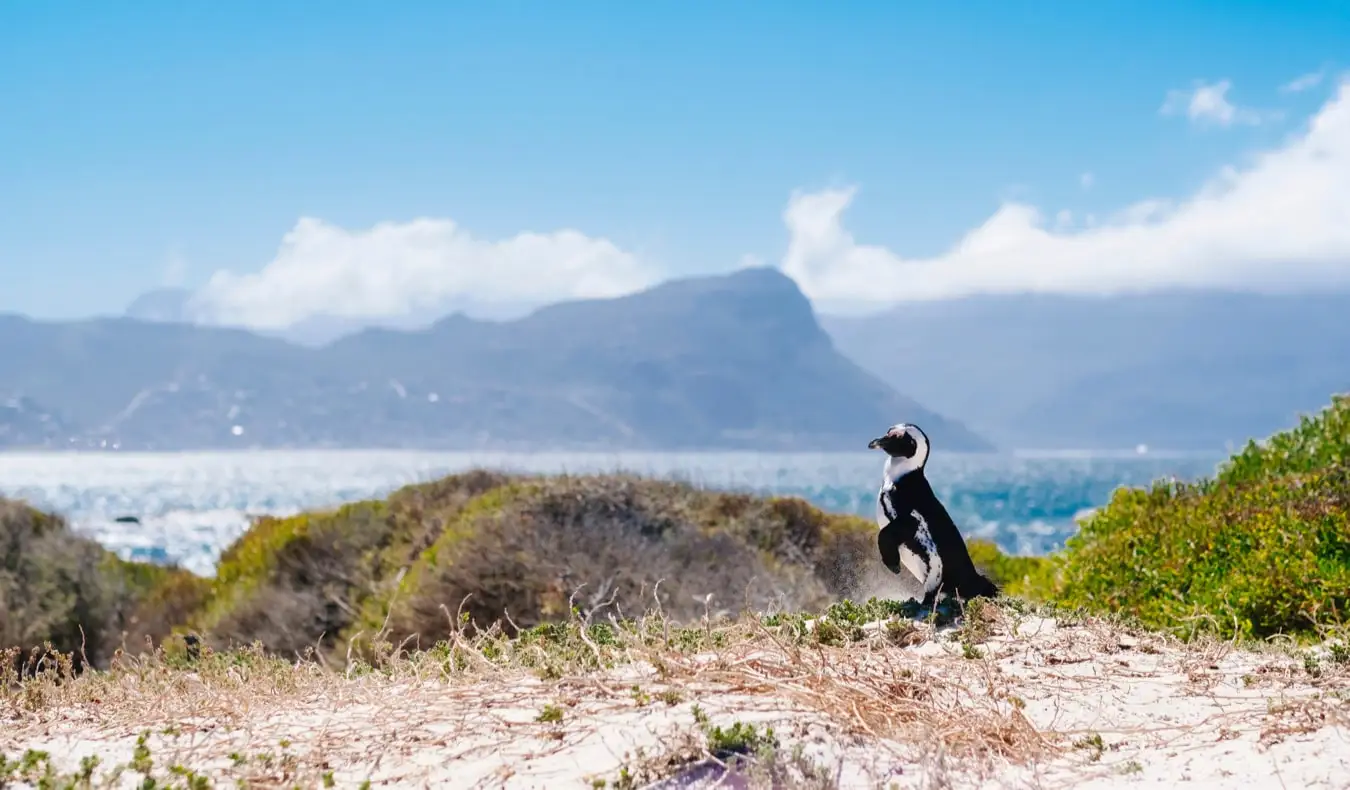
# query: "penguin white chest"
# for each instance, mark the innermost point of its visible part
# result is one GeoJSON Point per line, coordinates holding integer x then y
{"type": "Point", "coordinates": [924, 564]}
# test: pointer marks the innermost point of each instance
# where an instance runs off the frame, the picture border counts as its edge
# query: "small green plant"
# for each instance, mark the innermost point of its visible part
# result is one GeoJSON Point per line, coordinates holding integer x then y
{"type": "Point", "coordinates": [34, 767]}
{"type": "Point", "coordinates": [672, 697]}
{"type": "Point", "coordinates": [141, 761]}
{"type": "Point", "coordinates": [551, 714]}
{"type": "Point", "coordinates": [88, 764]}
{"type": "Point", "coordinates": [739, 738]}
{"type": "Point", "coordinates": [827, 632]}
{"type": "Point", "coordinates": [1093, 744]}
{"type": "Point", "coordinates": [641, 697]}
{"type": "Point", "coordinates": [191, 779]}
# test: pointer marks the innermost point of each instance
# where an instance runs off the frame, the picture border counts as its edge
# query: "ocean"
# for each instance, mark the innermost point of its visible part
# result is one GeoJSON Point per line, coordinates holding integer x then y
{"type": "Point", "coordinates": [192, 505]}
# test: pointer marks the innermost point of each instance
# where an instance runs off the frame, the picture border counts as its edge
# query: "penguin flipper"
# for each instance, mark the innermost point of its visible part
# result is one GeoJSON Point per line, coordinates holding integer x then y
{"type": "Point", "coordinates": [902, 531]}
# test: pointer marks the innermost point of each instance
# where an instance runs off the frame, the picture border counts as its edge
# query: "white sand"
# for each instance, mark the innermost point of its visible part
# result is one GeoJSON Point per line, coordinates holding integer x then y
{"type": "Point", "coordinates": [1144, 712]}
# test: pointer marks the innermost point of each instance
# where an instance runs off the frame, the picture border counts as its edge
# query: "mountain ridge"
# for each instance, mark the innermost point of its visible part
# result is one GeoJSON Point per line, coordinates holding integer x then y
{"type": "Point", "coordinates": [735, 361]}
{"type": "Point", "coordinates": [1181, 370]}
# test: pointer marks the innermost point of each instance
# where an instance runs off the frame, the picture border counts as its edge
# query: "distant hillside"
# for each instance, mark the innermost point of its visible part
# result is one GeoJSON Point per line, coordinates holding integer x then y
{"type": "Point", "coordinates": [1176, 370]}
{"type": "Point", "coordinates": [736, 361]}
{"type": "Point", "coordinates": [161, 304]}
{"type": "Point", "coordinates": [25, 423]}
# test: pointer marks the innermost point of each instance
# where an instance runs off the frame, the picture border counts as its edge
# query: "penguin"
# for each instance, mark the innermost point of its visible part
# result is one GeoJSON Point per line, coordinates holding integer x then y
{"type": "Point", "coordinates": [915, 531]}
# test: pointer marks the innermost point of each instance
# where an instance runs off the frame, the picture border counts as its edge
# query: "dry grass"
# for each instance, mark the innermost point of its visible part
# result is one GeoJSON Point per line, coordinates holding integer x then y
{"type": "Point", "coordinates": [864, 696]}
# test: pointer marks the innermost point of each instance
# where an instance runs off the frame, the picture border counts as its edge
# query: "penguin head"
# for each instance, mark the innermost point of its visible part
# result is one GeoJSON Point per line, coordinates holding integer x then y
{"type": "Point", "coordinates": [906, 444]}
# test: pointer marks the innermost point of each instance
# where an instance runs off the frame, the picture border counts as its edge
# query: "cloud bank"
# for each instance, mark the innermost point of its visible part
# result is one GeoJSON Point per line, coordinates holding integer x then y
{"type": "Point", "coordinates": [398, 268]}
{"type": "Point", "coordinates": [1281, 223]}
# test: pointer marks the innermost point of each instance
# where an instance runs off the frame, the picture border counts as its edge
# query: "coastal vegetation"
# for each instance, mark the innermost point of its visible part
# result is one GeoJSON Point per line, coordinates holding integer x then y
{"type": "Point", "coordinates": [1262, 548]}
{"type": "Point", "coordinates": [63, 593]}
{"type": "Point", "coordinates": [479, 547]}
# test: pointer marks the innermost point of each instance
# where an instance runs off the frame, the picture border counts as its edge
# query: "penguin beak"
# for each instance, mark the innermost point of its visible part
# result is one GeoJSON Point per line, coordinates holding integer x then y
{"type": "Point", "coordinates": [875, 443]}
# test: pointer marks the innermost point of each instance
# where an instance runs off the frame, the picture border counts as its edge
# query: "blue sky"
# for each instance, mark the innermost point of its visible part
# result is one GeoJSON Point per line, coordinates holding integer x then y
{"type": "Point", "coordinates": [136, 135]}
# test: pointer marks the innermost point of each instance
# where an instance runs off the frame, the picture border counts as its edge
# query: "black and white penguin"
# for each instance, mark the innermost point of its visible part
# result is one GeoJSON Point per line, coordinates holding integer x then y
{"type": "Point", "coordinates": [916, 532]}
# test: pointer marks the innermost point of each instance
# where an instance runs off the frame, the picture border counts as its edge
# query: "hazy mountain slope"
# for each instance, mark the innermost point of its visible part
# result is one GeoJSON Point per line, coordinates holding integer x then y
{"type": "Point", "coordinates": [1174, 370]}
{"type": "Point", "coordinates": [737, 361]}
{"type": "Point", "coordinates": [161, 304]}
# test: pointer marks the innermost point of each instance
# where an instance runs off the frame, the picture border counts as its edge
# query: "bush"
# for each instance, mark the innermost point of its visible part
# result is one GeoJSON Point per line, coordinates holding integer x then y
{"type": "Point", "coordinates": [524, 549]}
{"type": "Point", "coordinates": [299, 582]}
{"type": "Point", "coordinates": [1320, 442]}
{"type": "Point", "coordinates": [1018, 576]}
{"type": "Point", "coordinates": [1263, 548]}
{"type": "Point", "coordinates": [518, 547]}
{"type": "Point", "coordinates": [1249, 559]}
{"type": "Point", "coordinates": [62, 590]}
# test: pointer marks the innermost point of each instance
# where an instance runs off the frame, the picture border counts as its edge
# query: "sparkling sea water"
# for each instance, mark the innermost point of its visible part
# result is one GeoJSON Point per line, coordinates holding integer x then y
{"type": "Point", "coordinates": [192, 505]}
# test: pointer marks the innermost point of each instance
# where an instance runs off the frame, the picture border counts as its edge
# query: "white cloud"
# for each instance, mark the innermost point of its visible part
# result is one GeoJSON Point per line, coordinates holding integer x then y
{"type": "Point", "coordinates": [1303, 82]}
{"type": "Point", "coordinates": [397, 268]}
{"type": "Point", "coordinates": [749, 261]}
{"type": "Point", "coordinates": [175, 271]}
{"type": "Point", "coordinates": [1281, 222]}
{"type": "Point", "coordinates": [1086, 180]}
{"type": "Point", "coordinates": [1209, 104]}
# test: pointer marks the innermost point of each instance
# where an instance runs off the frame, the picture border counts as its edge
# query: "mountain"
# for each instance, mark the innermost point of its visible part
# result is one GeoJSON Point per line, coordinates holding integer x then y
{"type": "Point", "coordinates": [161, 304]}
{"type": "Point", "coordinates": [730, 362]}
{"type": "Point", "coordinates": [1178, 370]}
{"type": "Point", "coordinates": [26, 424]}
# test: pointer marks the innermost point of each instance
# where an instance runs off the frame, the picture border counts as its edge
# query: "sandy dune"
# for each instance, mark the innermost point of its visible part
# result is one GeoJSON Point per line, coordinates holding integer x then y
{"type": "Point", "coordinates": [1013, 700]}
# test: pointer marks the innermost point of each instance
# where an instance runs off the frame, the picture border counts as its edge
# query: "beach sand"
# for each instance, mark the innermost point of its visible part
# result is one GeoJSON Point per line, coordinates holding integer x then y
{"type": "Point", "coordinates": [1015, 700]}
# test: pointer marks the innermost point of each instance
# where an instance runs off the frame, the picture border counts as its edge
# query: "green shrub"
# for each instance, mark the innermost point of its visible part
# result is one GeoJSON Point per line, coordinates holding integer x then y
{"type": "Point", "coordinates": [66, 591]}
{"type": "Point", "coordinates": [1249, 559]}
{"type": "Point", "coordinates": [518, 547]}
{"type": "Point", "coordinates": [299, 582]}
{"type": "Point", "coordinates": [1263, 548]}
{"type": "Point", "coordinates": [522, 550]}
{"type": "Point", "coordinates": [1018, 576]}
{"type": "Point", "coordinates": [1319, 442]}
{"type": "Point", "coordinates": [157, 600]}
